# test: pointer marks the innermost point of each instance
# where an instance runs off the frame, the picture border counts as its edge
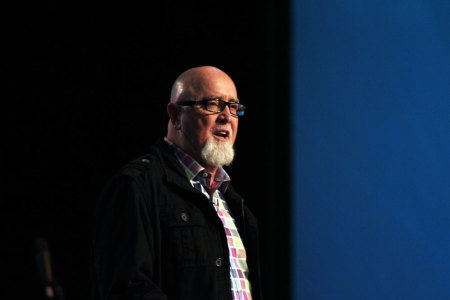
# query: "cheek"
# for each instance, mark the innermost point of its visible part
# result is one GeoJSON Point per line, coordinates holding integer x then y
{"type": "Point", "coordinates": [205, 127]}
{"type": "Point", "coordinates": [192, 132]}
{"type": "Point", "coordinates": [204, 130]}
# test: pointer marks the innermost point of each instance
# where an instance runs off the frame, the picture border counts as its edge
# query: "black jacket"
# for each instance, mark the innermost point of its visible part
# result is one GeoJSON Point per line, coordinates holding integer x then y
{"type": "Point", "coordinates": [157, 237]}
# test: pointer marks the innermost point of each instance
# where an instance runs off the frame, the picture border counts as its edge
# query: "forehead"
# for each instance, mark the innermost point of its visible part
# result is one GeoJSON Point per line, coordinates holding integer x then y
{"type": "Point", "coordinates": [214, 85]}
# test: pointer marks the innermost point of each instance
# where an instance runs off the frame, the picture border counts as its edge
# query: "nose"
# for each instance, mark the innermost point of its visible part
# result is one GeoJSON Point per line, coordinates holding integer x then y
{"type": "Point", "coordinates": [225, 115]}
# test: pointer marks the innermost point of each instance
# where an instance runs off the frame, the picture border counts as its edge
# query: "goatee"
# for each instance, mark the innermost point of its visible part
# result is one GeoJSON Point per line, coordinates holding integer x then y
{"type": "Point", "coordinates": [217, 153]}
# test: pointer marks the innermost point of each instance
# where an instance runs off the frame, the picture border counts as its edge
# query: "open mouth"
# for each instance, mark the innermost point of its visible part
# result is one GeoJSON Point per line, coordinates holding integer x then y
{"type": "Point", "coordinates": [221, 134]}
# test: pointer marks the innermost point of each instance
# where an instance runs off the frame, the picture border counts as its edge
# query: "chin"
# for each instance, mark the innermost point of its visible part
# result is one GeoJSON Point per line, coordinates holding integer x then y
{"type": "Point", "coordinates": [218, 152]}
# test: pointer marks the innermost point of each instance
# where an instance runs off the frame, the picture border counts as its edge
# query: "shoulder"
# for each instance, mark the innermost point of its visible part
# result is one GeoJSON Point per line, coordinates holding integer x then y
{"type": "Point", "coordinates": [147, 164]}
{"type": "Point", "coordinates": [150, 164]}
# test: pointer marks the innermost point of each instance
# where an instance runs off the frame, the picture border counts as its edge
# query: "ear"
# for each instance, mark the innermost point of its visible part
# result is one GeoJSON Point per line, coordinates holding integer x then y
{"type": "Point", "coordinates": [173, 111]}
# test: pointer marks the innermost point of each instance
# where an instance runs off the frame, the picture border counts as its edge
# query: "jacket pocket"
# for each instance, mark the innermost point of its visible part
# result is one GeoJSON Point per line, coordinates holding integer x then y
{"type": "Point", "coordinates": [184, 237]}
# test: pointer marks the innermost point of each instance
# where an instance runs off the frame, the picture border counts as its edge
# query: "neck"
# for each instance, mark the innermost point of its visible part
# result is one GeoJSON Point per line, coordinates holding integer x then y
{"type": "Point", "coordinates": [213, 171]}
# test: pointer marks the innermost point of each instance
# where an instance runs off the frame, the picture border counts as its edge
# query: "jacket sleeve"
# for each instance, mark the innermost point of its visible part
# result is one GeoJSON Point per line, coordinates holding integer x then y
{"type": "Point", "coordinates": [125, 243]}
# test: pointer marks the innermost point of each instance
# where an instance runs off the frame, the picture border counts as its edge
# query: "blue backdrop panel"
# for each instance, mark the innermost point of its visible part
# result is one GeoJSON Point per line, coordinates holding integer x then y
{"type": "Point", "coordinates": [371, 149]}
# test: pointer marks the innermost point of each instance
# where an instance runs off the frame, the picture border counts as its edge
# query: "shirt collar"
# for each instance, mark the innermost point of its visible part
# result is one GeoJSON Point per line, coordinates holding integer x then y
{"type": "Point", "coordinates": [194, 170]}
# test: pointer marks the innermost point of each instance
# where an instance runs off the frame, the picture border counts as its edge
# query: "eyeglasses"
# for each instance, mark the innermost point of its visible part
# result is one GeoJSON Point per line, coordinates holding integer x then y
{"type": "Point", "coordinates": [217, 105]}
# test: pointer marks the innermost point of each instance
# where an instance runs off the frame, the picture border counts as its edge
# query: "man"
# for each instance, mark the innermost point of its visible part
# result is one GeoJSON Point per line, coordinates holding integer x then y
{"type": "Point", "coordinates": [169, 225]}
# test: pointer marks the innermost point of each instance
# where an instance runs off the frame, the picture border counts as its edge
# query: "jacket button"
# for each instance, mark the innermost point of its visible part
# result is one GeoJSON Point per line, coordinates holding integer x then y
{"type": "Point", "coordinates": [184, 217]}
{"type": "Point", "coordinates": [219, 262]}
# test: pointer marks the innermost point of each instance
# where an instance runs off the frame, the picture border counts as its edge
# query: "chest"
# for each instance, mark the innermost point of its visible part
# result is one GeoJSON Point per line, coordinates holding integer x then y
{"type": "Point", "coordinates": [191, 231]}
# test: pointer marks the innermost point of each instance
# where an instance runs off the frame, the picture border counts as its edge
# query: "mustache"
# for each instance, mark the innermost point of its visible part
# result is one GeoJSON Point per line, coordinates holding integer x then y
{"type": "Point", "coordinates": [221, 127]}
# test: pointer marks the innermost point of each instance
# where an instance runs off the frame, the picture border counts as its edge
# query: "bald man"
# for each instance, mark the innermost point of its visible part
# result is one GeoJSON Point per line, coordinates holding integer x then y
{"type": "Point", "coordinates": [169, 225]}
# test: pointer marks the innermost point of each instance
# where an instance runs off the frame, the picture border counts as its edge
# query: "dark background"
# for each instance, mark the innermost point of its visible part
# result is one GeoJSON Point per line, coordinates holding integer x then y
{"type": "Point", "coordinates": [86, 91]}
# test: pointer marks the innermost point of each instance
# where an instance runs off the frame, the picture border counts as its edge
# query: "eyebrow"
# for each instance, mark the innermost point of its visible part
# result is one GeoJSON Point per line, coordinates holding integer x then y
{"type": "Point", "coordinates": [235, 100]}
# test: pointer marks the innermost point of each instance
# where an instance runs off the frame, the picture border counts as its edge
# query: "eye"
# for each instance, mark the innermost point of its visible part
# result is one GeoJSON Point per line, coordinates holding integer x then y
{"type": "Point", "coordinates": [213, 103]}
{"type": "Point", "coordinates": [234, 106]}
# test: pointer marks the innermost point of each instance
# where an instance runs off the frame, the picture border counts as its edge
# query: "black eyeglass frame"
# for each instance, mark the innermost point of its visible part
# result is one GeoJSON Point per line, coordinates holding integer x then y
{"type": "Point", "coordinates": [239, 111]}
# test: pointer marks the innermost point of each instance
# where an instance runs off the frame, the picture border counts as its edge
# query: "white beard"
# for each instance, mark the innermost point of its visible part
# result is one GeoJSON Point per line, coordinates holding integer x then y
{"type": "Point", "coordinates": [217, 153]}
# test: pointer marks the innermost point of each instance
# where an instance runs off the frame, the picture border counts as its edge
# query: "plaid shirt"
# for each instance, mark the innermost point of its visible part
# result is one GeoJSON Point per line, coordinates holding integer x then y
{"type": "Point", "coordinates": [200, 179]}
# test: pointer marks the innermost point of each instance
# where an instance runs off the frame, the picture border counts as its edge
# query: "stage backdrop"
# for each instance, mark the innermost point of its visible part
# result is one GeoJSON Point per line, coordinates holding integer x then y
{"type": "Point", "coordinates": [370, 129]}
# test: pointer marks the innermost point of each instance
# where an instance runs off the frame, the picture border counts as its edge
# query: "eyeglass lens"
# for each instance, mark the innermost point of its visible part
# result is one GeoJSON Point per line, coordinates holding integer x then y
{"type": "Point", "coordinates": [217, 105]}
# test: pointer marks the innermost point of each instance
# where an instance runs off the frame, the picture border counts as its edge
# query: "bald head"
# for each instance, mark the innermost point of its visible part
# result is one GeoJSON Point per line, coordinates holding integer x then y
{"type": "Point", "coordinates": [196, 81]}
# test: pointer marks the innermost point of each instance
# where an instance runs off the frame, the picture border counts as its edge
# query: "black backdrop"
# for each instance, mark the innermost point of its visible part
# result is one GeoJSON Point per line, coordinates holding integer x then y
{"type": "Point", "coordinates": [86, 90]}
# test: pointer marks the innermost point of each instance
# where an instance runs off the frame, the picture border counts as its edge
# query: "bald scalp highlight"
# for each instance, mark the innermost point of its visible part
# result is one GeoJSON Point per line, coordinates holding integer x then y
{"type": "Point", "coordinates": [191, 82]}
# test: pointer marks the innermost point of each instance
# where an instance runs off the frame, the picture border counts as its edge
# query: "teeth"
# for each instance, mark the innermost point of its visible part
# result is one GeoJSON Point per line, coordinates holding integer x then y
{"type": "Point", "coordinates": [222, 133]}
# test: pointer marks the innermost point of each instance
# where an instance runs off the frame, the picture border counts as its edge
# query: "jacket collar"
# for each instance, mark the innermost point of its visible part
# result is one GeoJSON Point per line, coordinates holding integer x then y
{"type": "Point", "coordinates": [173, 170]}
